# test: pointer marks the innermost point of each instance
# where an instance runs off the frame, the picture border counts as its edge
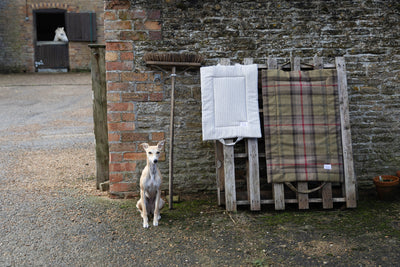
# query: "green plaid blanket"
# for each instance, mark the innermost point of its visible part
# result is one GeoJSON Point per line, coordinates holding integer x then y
{"type": "Point", "coordinates": [302, 126]}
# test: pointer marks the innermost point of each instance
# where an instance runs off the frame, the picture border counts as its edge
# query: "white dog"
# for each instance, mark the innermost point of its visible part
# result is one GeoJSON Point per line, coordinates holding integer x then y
{"type": "Point", "coordinates": [150, 201]}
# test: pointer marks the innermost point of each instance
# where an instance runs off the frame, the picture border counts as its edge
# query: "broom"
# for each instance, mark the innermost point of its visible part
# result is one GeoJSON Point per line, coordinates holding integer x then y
{"type": "Point", "coordinates": [173, 60]}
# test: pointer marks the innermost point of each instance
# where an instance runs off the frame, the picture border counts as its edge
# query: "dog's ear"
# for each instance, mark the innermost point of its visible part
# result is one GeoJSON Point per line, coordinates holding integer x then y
{"type": "Point", "coordinates": [160, 144]}
{"type": "Point", "coordinates": [145, 146]}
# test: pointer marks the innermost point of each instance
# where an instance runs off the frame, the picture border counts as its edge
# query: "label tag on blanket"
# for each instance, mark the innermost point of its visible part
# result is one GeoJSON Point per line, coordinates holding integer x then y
{"type": "Point", "coordinates": [327, 166]}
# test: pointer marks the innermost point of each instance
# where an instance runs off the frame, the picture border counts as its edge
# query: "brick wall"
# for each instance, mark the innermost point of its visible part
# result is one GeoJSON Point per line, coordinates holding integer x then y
{"type": "Point", "coordinates": [17, 33]}
{"type": "Point", "coordinates": [14, 47]}
{"type": "Point", "coordinates": [364, 32]}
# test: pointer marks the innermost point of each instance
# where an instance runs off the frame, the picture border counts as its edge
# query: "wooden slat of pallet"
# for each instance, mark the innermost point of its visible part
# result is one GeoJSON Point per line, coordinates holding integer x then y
{"type": "Point", "coordinates": [350, 179]}
{"type": "Point", "coordinates": [219, 164]}
{"type": "Point", "coordinates": [327, 201]}
{"type": "Point", "coordinates": [245, 155]}
{"type": "Point", "coordinates": [301, 186]}
{"type": "Point", "coordinates": [302, 197]}
{"type": "Point", "coordinates": [229, 170]}
{"type": "Point", "coordinates": [219, 158]}
{"type": "Point", "coordinates": [318, 63]}
{"type": "Point", "coordinates": [229, 166]}
{"type": "Point", "coordinates": [253, 173]}
{"type": "Point", "coordinates": [278, 191]}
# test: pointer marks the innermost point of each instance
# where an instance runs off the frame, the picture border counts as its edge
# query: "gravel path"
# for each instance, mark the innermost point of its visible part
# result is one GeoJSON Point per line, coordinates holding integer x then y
{"type": "Point", "coordinates": [47, 169]}
{"type": "Point", "coordinates": [51, 215]}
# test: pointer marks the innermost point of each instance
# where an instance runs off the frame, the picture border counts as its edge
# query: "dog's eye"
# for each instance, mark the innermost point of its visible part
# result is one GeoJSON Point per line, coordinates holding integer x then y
{"type": "Point", "coordinates": [150, 153]}
{"type": "Point", "coordinates": [158, 152]}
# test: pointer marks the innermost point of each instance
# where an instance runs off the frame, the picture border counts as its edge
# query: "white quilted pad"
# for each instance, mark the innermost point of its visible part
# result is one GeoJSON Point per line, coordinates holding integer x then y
{"type": "Point", "coordinates": [230, 102]}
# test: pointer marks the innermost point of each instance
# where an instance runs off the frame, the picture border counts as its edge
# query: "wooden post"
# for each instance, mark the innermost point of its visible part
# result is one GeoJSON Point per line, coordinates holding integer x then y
{"type": "Point", "coordinates": [301, 186]}
{"type": "Point", "coordinates": [219, 164]}
{"type": "Point", "coordinates": [349, 174]}
{"type": "Point", "coordinates": [229, 166]}
{"type": "Point", "coordinates": [229, 170]}
{"type": "Point", "coordinates": [278, 190]}
{"type": "Point", "coordinates": [327, 201]}
{"type": "Point", "coordinates": [100, 112]}
{"type": "Point", "coordinates": [171, 143]}
{"type": "Point", "coordinates": [253, 172]}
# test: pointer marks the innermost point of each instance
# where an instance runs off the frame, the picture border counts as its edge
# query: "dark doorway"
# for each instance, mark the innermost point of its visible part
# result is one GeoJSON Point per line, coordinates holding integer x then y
{"type": "Point", "coordinates": [50, 55]}
{"type": "Point", "coordinates": [47, 21]}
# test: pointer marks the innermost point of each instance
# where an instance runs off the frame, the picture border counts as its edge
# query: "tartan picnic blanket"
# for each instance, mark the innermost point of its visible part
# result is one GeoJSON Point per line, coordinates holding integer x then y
{"type": "Point", "coordinates": [302, 126]}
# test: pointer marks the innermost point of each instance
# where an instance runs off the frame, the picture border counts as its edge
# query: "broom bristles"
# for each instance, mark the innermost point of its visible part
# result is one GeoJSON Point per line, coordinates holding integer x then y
{"type": "Point", "coordinates": [173, 57]}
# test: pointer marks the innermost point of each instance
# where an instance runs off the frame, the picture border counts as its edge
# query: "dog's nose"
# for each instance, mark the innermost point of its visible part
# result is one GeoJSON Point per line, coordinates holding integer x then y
{"type": "Point", "coordinates": [156, 160]}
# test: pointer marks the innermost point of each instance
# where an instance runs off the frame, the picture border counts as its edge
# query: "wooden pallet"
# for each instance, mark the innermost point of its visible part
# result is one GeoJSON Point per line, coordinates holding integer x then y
{"type": "Point", "coordinates": [277, 193]}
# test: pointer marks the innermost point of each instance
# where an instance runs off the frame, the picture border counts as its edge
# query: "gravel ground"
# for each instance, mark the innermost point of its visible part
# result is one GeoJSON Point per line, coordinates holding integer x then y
{"type": "Point", "coordinates": [51, 214]}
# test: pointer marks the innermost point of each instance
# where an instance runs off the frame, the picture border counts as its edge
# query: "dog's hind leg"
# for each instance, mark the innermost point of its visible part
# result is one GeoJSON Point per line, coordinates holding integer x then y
{"type": "Point", "coordinates": [139, 206]}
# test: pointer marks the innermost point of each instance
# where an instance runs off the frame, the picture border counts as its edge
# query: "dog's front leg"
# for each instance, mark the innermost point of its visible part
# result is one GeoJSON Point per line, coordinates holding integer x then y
{"type": "Point", "coordinates": [144, 209]}
{"type": "Point", "coordinates": [157, 208]}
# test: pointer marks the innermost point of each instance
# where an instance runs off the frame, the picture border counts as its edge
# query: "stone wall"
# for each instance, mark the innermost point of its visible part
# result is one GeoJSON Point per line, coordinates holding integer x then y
{"type": "Point", "coordinates": [17, 33]}
{"type": "Point", "coordinates": [364, 32]}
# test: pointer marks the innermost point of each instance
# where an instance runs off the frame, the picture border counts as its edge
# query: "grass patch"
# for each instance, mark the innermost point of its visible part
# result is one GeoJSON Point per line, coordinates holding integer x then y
{"type": "Point", "coordinates": [188, 209]}
{"type": "Point", "coordinates": [369, 216]}
{"type": "Point", "coordinates": [260, 262]}
{"type": "Point", "coordinates": [126, 204]}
